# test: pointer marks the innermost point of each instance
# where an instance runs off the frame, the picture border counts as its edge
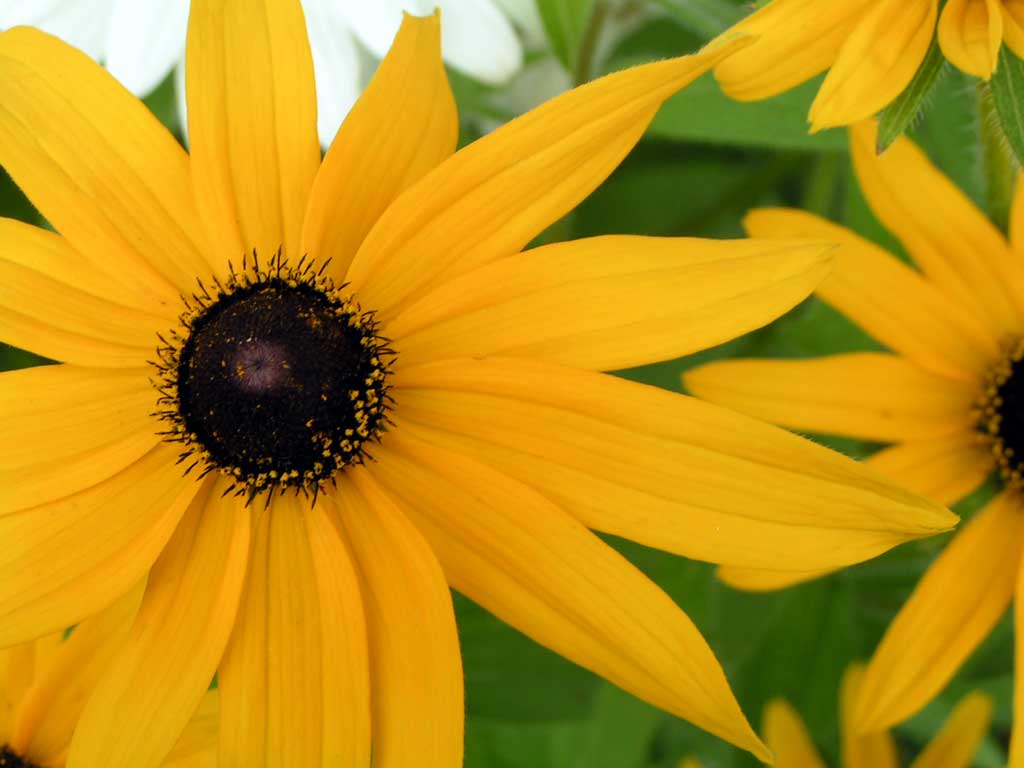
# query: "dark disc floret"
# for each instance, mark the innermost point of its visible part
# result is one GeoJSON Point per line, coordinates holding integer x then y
{"type": "Point", "coordinates": [1002, 414]}
{"type": "Point", "coordinates": [11, 759]}
{"type": "Point", "coordinates": [276, 379]}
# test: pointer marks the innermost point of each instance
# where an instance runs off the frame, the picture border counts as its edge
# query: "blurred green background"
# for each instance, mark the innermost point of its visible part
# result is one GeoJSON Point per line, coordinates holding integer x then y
{"type": "Point", "coordinates": [704, 162]}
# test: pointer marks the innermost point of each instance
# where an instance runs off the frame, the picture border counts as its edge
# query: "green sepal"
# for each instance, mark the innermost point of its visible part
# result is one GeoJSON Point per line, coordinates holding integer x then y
{"type": "Point", "coordinates": [1008, 93]}
{"type": "Point", "coordinates": [901, 113]}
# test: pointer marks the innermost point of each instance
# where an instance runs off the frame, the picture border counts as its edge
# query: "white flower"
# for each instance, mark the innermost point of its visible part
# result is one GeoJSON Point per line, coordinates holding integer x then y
{"type": "Point", "coordinates": [141, 41]}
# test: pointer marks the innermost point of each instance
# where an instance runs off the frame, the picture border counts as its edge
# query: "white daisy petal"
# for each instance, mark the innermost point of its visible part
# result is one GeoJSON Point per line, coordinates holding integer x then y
{"type": "Point", "coordinates": [82, 23]}
{"type": "Point", "coordinates": [375, 24]}
{"type": "Point", "coordinates": [145, 40]}
{"type": "Point", "coordinates": [526, 17]}
{"type": "Point", "coordinates": [475, 37]}
{"type": "Point", "coordinates": [14, 13]}
{"type": "Point", "coordinates": [179, 99]}
{"type": "Point", "coordinates": [335, 66]}
{"type": "Point", "coordinates": [478, 40]}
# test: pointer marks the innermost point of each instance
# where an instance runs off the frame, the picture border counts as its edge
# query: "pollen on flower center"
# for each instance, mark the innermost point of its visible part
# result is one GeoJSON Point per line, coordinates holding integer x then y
{"type": "Point", "coordinates": [276, 378]}
{"type": "Point", "coordinates": [1002, 413]}
{"type": "Point", "coordinates": [11, 759]}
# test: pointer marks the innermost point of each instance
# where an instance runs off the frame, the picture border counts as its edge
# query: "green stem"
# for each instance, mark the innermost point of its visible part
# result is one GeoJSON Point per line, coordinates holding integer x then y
{"type": "Point", "coordinates": [585, 60]}
{"type": "Point", "coordinates": [1000, 166]}
{"type": "Point", "coordinates": [822, 182]}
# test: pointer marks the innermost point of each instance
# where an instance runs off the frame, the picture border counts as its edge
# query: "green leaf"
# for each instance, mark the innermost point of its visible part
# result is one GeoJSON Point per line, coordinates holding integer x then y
{"type": "Point", "coordinates": [498, 744]}
{"type": "Point", "coordinates": [565, 22]}
{"type": "Point", "coordinates": [619, 731]}
{"type": "Point", "coordinates": [13, 203]}
{"type": "Point", "coordinates": [510, 677]}
{"type": "Point", "coordinates": [950, 134]}
{"type": "Point", "coordinates": [1008, 92]}
{"type": "Point", "coordinates": [163, 103]}
{"type": "Point", "coordinates": [12, 358]}
{"type": "Point", "coordinates": [707, 18]}
{"type": "Point", "coordinates": [899, 115]}
{"type": "Point", "coordinates": [702, 113]}
{"type": "Point", "coordinates": [658, 38]}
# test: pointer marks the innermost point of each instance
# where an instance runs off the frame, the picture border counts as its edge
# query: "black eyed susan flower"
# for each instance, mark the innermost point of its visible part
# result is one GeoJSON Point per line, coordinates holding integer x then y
{"type": "Point", "coordinates": [242, 328]}
{"type": "Point", "coordinates": [792, 746]}
{"type": "Point", "coordinates": [949, 397]}
{"type": "Point", "coordinates": [871, 49]}
{"type": "Point", "coordinates": [45, 683]}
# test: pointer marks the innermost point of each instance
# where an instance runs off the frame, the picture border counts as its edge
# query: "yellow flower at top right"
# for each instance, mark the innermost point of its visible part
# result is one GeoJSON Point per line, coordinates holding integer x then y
{"type": "Point", "coordinates": [871, 49]}
{"type": "Point", "coordinates": [947, 396]}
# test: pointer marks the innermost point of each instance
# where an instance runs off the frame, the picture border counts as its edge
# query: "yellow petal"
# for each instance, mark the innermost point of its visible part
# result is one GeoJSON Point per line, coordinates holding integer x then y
{"type": "Point", "coordinates": [519, 556]}
{"type": "Point", "coordinates": [294, 682]}
{"type": "Point", "coordinates": [58, 321]}
{"type": "Point", "coordinates": [953, 242]}
{"type": "Point", "coordinates": [787, 737]}
{"type": "Point", "coordinates": [861, 750]}
{"type": "Point", "coordinates": [762, 580]}
{"type": "Point", "coordinates": [952, 609]}
{"type": "Point", "coordinates": [610, 302]}
{"type": "Point", "coordinates": [491, 198]}
{"type": "Point", "coordinates": [888, 299]}
{"type": "Point", "coordinates": [1013, 25]}
{"type": "Point", "coordinates": [1016, 756]}
{"type": "Point", "coordinates": [251, 123]}
{"type": "Point", "coordinates": [52, 256]}
{"type": "Point", "coordinates": [404, 124]}
{"type": "Point", "coordinates": [51, 708]}
{"type": "Point", "coordinates": [67, 559]}
{"type": "Point", "coordinates": [344, 645]}
{"type": "Point", "coordinates": [1017, 206]}
{"type": "Point", "coordinates": [68, 428]}
{"type": "Point", "coordinates": [794, 40]}
{"type": "Point", "coordinates": [17, 672]}
{"type": "Point", "coordinates": [971, 33]}
{"type": "Point", "coordinates": [870, 395]}
{"type": "Point", "coordinates": [945, 470]}
{"type": "Point", "coordinates": [954, 746]}
{"type": "Point", "coordinates": [158, 678]}
{"type": "Point", "coordinates": [877, 61]}
{"type": "Point", "coordinates": [666, 470]}
{"type": "Point", "coordinates": [197, 745]}
{"type": "Point", "coordinates": [98, 165]}
{"type": "Point", "coordinates": [415, 664]}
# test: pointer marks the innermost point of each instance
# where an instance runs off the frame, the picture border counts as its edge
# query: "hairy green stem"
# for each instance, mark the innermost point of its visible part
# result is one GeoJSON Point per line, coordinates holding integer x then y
{"type": "Point", "coordinates": [586, 59]}
{"type": "Point", "coordinates": [1000, 166]}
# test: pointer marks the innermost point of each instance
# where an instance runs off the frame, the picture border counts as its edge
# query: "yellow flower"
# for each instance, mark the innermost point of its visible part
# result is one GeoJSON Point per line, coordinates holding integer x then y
{"type": "Point", "coordinates": [373, 303]}
{"type": "Point", "coordinates": [950, 397]}
{"type": "Point", "coordinates": [44, 685]}
{"type": "Point", "coordinates": [953, 747]}
{"type": "Point", "coordinates": [871, 49]}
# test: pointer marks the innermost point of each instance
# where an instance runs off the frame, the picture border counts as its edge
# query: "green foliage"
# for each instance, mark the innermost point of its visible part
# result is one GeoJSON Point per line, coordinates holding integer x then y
{"type": "Point", "coordinates": [538, 686]}
{"type": "Point", "coordinates": [565, 22]}
{"type": "Point", "coordinates": [898, 116]}
{"type": "Point", "coordinates": [704, 17]}
{"type": "Point", "coordinates": [1008, 92]}
{"type": "Point", "coordinates": [702, 113]}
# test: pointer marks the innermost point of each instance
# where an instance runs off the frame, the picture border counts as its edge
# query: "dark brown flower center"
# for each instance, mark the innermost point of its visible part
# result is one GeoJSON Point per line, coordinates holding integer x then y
{"type": "Point", "coordinates": [1002, 414]}
{"type": "Point", "coordinates": [280, 379]}
{"type": "Point", "coordinates": [11, 759]}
